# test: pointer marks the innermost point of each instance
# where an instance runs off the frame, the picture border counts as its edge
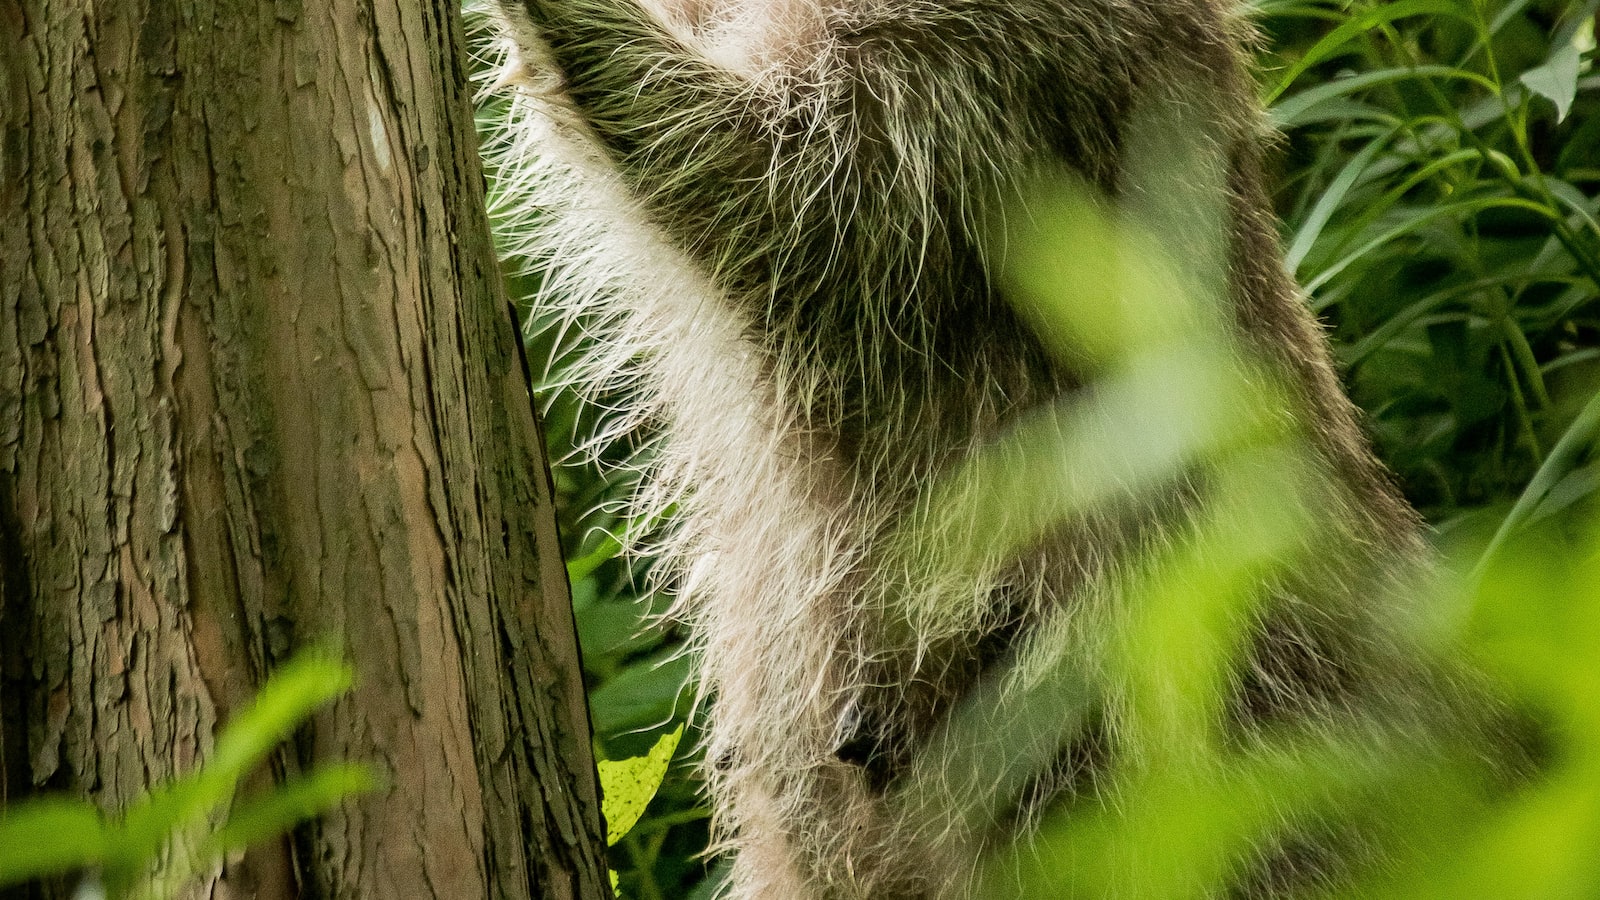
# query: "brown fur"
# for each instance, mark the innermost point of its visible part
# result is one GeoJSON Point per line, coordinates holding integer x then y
{"type": "Point", "coordinates": [767, 214]}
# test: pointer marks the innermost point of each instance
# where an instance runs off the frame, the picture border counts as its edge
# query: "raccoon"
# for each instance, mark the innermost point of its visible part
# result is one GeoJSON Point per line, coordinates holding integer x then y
{"type": "Point", "coordinates": [771, 215]}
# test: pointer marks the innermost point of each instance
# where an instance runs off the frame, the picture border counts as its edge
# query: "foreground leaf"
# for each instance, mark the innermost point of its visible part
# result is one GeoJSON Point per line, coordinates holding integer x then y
{"type": "Point", "coordinates": [47, 836]}
{"type": "Point", "coordinates": [628, 785]}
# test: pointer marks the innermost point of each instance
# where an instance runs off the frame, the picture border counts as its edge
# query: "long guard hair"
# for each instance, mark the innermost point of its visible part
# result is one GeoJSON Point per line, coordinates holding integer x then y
{"type": "Point", "coordinates": [769, 214]}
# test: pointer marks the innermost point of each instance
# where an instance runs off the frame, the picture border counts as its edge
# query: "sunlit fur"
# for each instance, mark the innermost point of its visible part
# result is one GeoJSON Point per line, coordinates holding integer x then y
{"type": "Point", "coordinates": [766, 215]}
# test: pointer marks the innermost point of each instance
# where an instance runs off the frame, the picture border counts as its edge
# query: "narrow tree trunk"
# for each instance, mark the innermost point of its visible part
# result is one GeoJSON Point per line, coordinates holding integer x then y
{"type": "Point", "coordinates": [259, 385]}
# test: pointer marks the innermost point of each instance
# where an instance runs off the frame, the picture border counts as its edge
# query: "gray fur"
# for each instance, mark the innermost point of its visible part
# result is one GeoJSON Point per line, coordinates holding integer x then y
{"type": "Point", "coordinates": [768, 213]}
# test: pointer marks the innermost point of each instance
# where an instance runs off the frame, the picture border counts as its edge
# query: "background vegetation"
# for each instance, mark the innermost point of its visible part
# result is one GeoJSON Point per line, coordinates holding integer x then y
{"type": "Point", "coordinates": [1439, 182]}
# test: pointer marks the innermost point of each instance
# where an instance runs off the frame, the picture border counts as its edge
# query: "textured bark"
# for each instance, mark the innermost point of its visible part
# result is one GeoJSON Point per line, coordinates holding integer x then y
{"type": "Point", "coordinates": [259, 385]}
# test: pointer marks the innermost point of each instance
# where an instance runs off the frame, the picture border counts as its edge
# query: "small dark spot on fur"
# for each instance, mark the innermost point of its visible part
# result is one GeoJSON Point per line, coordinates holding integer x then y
{"type": "Point", "coordinates": [867, 749]}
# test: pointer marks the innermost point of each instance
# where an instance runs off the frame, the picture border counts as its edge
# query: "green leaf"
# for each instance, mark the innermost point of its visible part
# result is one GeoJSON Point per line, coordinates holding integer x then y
{"type": "Point", "coordinates": [642, 696]}
{"type": "Point", "coordinates": [615, 629]}
{"type": "Point", "coordinates": [49, 836]}
{"type": "Point", "coordinates": [627, 786]}
{"type": "Point", "coordinates": [1413, 220]}
{"type": "Point", "coordinates": [1360, 25]}
{"type": "Point", "coordinates": [1300, 108]}
{"type": "Point", "coordinates": [609, 547]}
{"type": "Point", "coordinates": [290, 804]}
{"type": "Point", "coordinates": [1409, 316]}
{"type": "Point", "coordinates": [285, 700]}
{"type": "Point", "coordinates": [1331, 200]}
{"type": "Point", "coordinates": [1564, 456]}
{"type": "Point", "coordinates": [149, 822]}
{"type": "Point", "coordinates": [1557, 79]}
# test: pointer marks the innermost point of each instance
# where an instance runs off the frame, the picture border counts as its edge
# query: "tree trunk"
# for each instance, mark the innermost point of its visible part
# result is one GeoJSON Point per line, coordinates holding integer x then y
{"type": "Point", "coordinates": [258, 386]}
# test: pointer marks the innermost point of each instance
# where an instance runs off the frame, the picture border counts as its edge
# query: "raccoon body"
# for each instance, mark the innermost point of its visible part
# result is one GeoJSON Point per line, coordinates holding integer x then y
{"type": "Point", "coordinates": [770, 214]}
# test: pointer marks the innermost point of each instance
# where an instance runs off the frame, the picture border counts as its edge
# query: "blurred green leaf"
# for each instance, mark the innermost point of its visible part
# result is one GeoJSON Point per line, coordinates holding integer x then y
{"type": "Point", "coordinates": [287, 698]}
{"type": "Point", "coordinates": [284, 702]}
{"type": "Point", "coordinates": [171, 824]}
{"type": "Point", "coordinates": [48, 836]}
{"type": "Point", "coordinates": [289, 804]}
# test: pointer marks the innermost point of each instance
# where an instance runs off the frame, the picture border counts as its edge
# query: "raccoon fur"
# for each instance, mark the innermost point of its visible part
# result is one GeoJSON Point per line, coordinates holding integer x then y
{"type": "Point", "coordinates": [769, 214]}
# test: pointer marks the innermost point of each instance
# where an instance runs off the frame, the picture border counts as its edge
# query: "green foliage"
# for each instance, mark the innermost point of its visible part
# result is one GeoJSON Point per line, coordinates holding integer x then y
{"type": "Point", "coordinates": [1440, 194]}
{"type": "Point", "coordinates": [1183, 808]}
{"type": "Point", "coordinates": [175, 831]}
{"type": "Point", "coordinates": [1178, 824]}
{"type": "Point", "coordinates": [1535, 624]}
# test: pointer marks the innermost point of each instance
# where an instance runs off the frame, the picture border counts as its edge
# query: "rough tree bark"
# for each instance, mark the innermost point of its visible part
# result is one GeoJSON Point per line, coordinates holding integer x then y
{"type": "Point", "coordinates": [258, 385]}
